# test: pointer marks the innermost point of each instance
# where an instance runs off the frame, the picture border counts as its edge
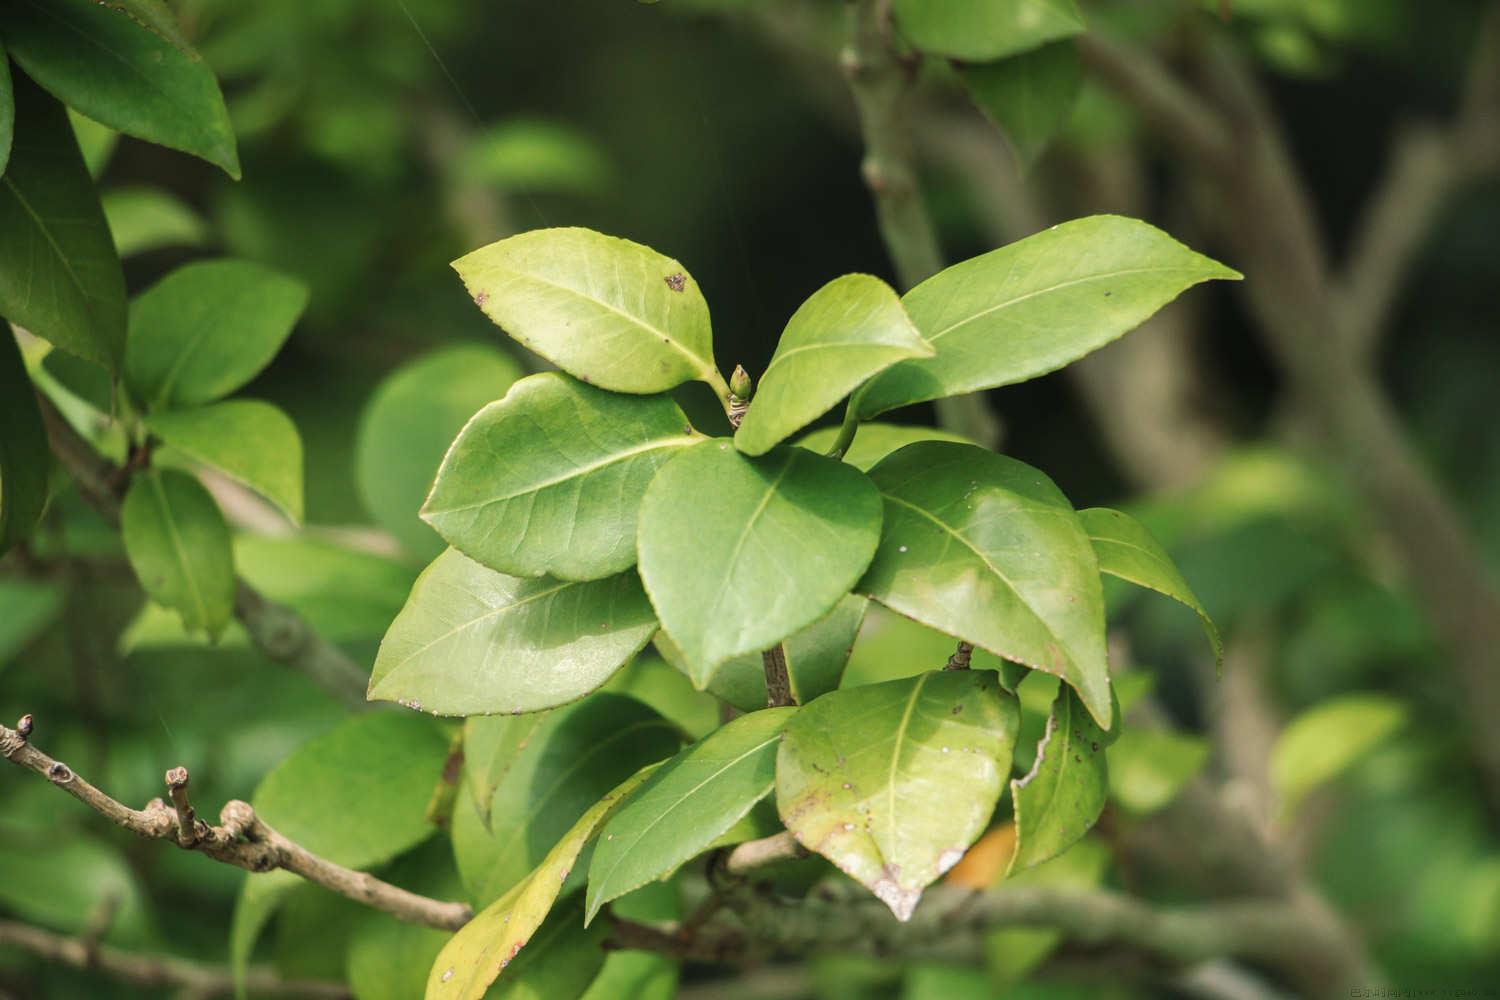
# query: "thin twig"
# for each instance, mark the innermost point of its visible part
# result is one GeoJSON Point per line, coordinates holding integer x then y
{"type": "Point", "coordinates": [961, 657]}
{"type": "Point", "coordinates": [162, 971]}
{"type": "Point", "coordinates": [275, 629]}
{"type": "Point", "coordinates": [778, 678]}
{"type": "Point", "coordinates": [241, 839]}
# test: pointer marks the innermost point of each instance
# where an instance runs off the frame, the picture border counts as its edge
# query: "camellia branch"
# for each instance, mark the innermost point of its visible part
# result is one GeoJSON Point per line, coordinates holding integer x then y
{"type": "Point", "coordinates": [278, 631]}
{"type": "Point", "coordinates": [161, 971]}
{"type": "Point", "coordinates": [881, 82]}
{"type": "Point", "coordinates": [241, 839]}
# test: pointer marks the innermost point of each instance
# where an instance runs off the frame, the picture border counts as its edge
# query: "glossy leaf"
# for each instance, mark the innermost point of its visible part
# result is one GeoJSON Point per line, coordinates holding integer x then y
{"type": "Point", "coordinates": [206, 329]}
{"type": "Point", "coordinates": [576, 756]}
{"type": "Point", "coordinates": [1127, 550]}
{"type": "Point", "coordinates": [1034, 306]}
{"type": "Point", "coordinates": [720, 533]}
{"type": "Point", "coordinates": [1327, 739]}
{"type": "Point", "coordinates": [142, 219]}
{"type": "Point", "coordinates": [1059, 800]}
{"type": "Point", "coordinates": [1030, 96]}
{"type": "Point", "coordinates": [471, 641]}
{"type": "Point", "coordinates": [245, 439]}
{"type": "Point", "coordinates": [356, 795]}
{"type": "Point", "coordinates": [686, 805]}
{"type": "Point", "coordinates": [409, 424]}
{"type": "Point", "coordinates": [892, 782]}
{"type": "Point", "coordinates": [483, 948]}
{"type": "Point", "coordinates": [25, 458]}
{"type": "Point", "coordinates": [178, 545]}
{"type": "Point", "coordinates": [850, 329]}
{"type": "Point", "coordinates": [123, 74]}
{"type": "Point", "coordinates": [60, 277]}
{"type": "Point", "coordinates": [549, 479]}
{"type": "Point", "coordinates": [815, 660]}
{"type": "Point", "coordinates": [987, 549]}
{"type": "Point", "coordinates": [608, 311]}
{"type": "Point", "coordinates": [874, 441]}
{"type": "Point", "coordinates": [980, 30]}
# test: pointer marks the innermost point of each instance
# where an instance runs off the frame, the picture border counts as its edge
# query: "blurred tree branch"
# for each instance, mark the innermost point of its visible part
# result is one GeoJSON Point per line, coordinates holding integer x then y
{"type": "Point", "coordinates": [1236, 146]}
{"type": "Point", "coordinates": [241, 839]}
{"type": "Point", "coordinates": [191, 979]}
{"type": "Point", "coordinates": [277, 630]}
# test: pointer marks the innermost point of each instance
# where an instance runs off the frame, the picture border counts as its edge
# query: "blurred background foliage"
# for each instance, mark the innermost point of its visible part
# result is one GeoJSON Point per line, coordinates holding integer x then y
{"type": "Point", "coordinates": [380, 140]}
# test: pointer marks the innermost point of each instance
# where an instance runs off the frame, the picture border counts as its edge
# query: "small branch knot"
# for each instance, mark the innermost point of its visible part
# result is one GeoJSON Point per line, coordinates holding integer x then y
{"type": "Point", "coordinates": [59, 773]}
{"type": "Point", "coordinates": [23, 727]}
{"type": "Point", "coordinates": [960, 658]}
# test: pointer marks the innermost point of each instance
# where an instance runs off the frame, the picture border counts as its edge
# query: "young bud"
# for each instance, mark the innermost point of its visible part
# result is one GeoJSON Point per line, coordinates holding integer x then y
{"type": "Point", "coordinates": [740, 384]}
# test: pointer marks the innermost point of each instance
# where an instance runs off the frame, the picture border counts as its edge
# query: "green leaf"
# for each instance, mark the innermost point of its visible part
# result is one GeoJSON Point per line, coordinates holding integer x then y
{"type": "Point", "coordinates": [875, 441]}
{"type": "Point", "coordinates": [610, 312]}
{"type": "Point", "coordinates": [123, 74]}
{"type": "Point", "coordinates": [178, 545]}
{"type": "Point", "coordinates": [1148, 767]}
{"type": "Point", "coordinates": [27, 608]}
{"type": "Point", "coordinates": [988, 550]}
{"type": "Point", "coordinates": [738, 553]}
{"type": "Point", "coordinates": [850, 329]}
{"type": "Point", "coordinates": [7, 109]}
{"type": "Point", "coordinates": [1327, 739]}
{"type": "Point", "coordinates": [1030, 96]}
{"type": "Point", "coordinates": [155, 16]}
{"type": "Point", "coordinates": [142, 219]}
{"type": "Point", "coordinates": [492, 745]}
{"type": "Point", "coordinates": [471, 641]}
{"type": "Point", "coordinates": [686, 805]}
{"type": "Point", "coordinates": [58, 880]}
{"type": "Point", "coordinates": [815, 659]}
{"type": "Point", "coordinates": [408, 426]}
{"type": "Point", "coordinates": [388, 958]}
{"type": "Point", "coordinates": [25, 458]}
{"type": "Point", "coordinates": [246, 439]}
{"type": "Point", "coordinates": [542, 784]}
{"type": "Point", "coordinates": [559, 962]}
{"type": "Point", "coordinates": [60, 277]}
{"type": "Point", "coordinates": [562, 499]}
{"type": "Point", "coordinates": [980, 30]}
{"type": "Point", "coordinates": [892, 782]}
{"type": "Point", "coordinates": [483, 948]}
{"type": "Point", "coordinates": [206, 329]}
{"type": "Point", "coordinates": [1034, 306]}
{"type": "Point", "coordinates": [356, 795]}
{"type": "Point", "coordinates": [1127, 550]}
{"type": "Point", "coordinates": [1058, 801]}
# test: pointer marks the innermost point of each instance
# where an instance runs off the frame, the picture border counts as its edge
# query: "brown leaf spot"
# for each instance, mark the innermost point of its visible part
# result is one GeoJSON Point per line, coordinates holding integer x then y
{"type": "Point", "coordinates": [676, 281]}
{"type": "Point", "coordinates": [480, 298]}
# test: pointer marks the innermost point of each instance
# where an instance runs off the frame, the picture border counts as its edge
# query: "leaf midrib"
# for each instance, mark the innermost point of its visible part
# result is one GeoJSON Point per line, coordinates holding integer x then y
{"type": "Point", "coordinates": [178, 549]}
{"type": "Point", "coordinates": [685, 796]}
{"type": "Point", "coordinates": [700, 365]}
{"type": "Point", "coordinates": [1105, 276]}
{"type": "Point", "coordinates": [1020, 599]}
{"type": "Point", "coordinates": [655, 444]}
